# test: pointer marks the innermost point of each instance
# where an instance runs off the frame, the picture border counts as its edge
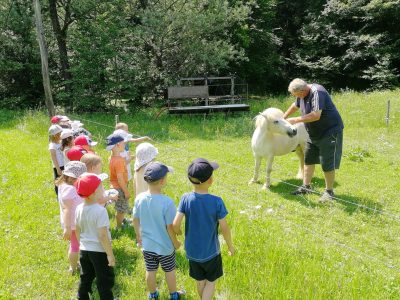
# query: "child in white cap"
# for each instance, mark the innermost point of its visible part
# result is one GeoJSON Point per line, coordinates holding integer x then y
{"type": "Point", "coordinates": [69, 200]}
{"type": "Point", "coordinates": [145, 153]}
{"type": "Point", "coordinates": [56, 154]}
{"type": "Point", "coordinates": [67, 142]}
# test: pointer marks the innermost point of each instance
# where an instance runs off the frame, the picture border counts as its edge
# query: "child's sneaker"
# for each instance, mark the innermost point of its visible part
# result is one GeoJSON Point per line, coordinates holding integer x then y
{"type": "Point", "coordinates": [177, 295]}
{"type": "Point", "coordinates": [154, 295]}
{"type": "Point", "coordinates": [73, 271]}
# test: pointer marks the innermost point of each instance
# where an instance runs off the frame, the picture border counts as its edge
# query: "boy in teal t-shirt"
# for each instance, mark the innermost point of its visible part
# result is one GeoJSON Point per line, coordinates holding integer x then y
{"type": "Point", "coordinates": [153, 215]}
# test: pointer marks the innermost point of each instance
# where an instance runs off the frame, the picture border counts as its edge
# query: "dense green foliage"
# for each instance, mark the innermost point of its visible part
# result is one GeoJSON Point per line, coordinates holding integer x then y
{"type": "Point", "coordinates": [108, 50]}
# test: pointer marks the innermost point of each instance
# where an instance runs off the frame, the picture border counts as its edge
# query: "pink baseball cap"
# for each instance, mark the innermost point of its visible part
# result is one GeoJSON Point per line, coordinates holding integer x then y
{"type": "Point", "coordinates": [84, 140]}
{"type": "Point", "coordinates": [76, 153]}
{"type": "Point", "coordinates": [55, 119]}
{"type": "Point", "coordinates": [87, 184]}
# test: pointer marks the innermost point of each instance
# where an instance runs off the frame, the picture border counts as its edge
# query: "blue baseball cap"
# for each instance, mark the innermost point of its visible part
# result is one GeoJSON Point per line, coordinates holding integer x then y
{"type": "Point", "coordinates": [156, 171]}
{"type": "Point", "coordinates": [113, 139]}
{"type": "Point", "coordinates": [200, 170]}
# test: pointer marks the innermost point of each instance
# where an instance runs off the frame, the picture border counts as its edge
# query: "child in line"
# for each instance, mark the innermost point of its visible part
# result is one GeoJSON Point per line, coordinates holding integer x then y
{"type": "Point", "coordinates": [123, 129]}
{"type": "Point", "coordinates": [203, 213]}
{"type": "Point", "coordinates": [69, 200]}
{"type": "Point", "coordinates": [119, 176]}
{"type": "Point", "coordinates": [76, 153]}
{"type": "Point", "coordinates": [56, 154]}
{"type": "Point", "coordinates": [85, 142]}
{"type": "Point", "coordinates": [93, 233]}
{"type": "Point", "coordinates": [95, 165]}
{"type": "Point", "coordinates": [126, 153]}
{"type": "Point", "coordinates": [62, 121]}
{"type": "Point", "coordinates": [145, 153]}
{"type": "Point", "coordinates": [67, 141]}
{"type": "Point", "coordinates": [78, 130]}
{"type": "Point", "coordinates": [153, 217]}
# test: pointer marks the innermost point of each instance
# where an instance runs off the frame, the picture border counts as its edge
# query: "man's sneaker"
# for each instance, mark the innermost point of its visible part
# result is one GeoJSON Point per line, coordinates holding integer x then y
{"type": "Point", "coordinates": [327, 196]}
{"type": "Point", "coordinates": [302, 190]}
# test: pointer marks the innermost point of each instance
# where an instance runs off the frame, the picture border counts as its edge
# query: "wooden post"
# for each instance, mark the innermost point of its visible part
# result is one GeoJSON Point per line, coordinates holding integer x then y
{"type": "Point", "coordinates": [206, 84]}
{"type": "Point", "coordinates": [44, 58]}
{"type": "Point", "coordinates": [388, 113]}
{"type": "Point", "coordinates": [233, 89]}
{"type": "Point", "coordinates": [116, 119]}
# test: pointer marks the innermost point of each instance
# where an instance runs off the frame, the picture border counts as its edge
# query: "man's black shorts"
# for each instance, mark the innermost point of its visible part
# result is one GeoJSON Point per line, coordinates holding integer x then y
{"type": "Point", "coordinates": [326, 151]}
{"type": "Point", "coordinates": [210, 270]}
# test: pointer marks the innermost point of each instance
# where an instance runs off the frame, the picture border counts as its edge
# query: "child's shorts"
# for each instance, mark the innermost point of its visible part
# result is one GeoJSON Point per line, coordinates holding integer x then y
{"type": "Point", "coordinates": [152, 260]}
{"type": "Point", "coordinates": [121, 205]}
{"type": "Point", "coordinates": [210, 270]}
{"type": "Point", "coordinates": [74, 245]}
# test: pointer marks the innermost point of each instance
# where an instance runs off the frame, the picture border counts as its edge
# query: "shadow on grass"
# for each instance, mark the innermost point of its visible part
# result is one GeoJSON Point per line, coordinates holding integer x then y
{"type": "Point", "coordinates": [350, 204]}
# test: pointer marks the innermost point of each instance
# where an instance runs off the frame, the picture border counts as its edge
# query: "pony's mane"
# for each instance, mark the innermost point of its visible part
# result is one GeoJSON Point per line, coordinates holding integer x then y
{"type": "Point", "coordinates": [270, 113]}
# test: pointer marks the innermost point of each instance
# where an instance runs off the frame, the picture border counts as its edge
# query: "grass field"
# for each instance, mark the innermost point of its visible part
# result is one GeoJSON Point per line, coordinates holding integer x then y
{"type": "Point", "coordinates": [288, 247]}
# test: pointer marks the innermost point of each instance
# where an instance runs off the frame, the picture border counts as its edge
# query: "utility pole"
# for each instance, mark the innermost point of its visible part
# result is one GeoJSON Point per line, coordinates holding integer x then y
{"type": "Point", "coordinates": [44, 58]}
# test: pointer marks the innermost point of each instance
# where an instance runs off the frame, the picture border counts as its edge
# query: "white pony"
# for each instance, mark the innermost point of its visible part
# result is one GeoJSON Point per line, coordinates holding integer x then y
{"type": "Point", "coordinates": [274, 136]}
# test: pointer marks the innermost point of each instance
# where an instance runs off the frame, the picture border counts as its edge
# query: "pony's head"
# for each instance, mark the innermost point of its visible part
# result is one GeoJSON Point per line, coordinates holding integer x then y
{"type": "Point", "coordinates": [272, 120]}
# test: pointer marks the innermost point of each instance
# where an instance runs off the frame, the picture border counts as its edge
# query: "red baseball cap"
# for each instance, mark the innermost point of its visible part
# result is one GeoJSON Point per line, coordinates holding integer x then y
{"type": "Point", "coordinates": [84, 140]}
{"type": "Point", "coordinates": [75, 153]}
{"type": "Point", "coordinates": [87, 184]}
{"type": "Point", "coordinates": [55, 119]}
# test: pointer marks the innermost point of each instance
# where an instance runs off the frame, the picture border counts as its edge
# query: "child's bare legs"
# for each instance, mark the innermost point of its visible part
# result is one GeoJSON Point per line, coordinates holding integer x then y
{"type": "Point", "coordinates": [206, 289]}
{"type": "Point", "coordinates": [73, 259]}
{"type": "Point", "coordinates": [119, 217]}
{"type": "Point", "coordinates": [170, 277]}
{"type": "Point", "coordinates": [151, 281]}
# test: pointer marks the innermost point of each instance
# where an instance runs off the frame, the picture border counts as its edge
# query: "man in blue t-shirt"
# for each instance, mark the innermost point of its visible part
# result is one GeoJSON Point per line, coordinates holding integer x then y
{"type": "Point", "coordinates": [325, 128]}
{"type": "Point", "coordinates": [203, 214]}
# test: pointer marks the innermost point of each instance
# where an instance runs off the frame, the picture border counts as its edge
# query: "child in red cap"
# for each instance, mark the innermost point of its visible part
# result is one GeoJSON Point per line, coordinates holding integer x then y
{"type": "Point", "coordinates": [93, 233]}
{"type": "Point", "coordinates": [85, 142]}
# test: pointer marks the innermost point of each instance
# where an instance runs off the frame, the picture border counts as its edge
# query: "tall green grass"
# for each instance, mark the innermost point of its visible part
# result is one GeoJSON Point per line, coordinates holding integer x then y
{"type": "Point", "coordinates": [288, 247]}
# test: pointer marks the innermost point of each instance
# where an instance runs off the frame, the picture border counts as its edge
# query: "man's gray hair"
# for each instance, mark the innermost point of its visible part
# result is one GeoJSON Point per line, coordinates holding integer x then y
{"type": "Point", "coordinates": [297, 85]}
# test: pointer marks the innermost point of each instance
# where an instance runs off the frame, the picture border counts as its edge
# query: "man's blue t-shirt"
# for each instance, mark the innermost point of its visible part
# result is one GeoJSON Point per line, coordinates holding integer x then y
{"type": "Point", "coordinates": [330, 122]}
{"type": "Point", "coordinates": [155, 212]}
{"type": "Point", "coordinates": [202, 213]}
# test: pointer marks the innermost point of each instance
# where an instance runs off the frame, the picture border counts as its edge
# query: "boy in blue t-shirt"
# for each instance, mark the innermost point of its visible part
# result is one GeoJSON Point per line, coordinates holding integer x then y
{"type": "Point", "coordinates": [203, 213]}
{"type": "Point", "coordinates": [153, 215]}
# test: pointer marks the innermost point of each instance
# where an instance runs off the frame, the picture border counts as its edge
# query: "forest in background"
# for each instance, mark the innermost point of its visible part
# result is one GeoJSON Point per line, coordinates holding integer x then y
{"type": "Point", "coordinates": [105, 50]}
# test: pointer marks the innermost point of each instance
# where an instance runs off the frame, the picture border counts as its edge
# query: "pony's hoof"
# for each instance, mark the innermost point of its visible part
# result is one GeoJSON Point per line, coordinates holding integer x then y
{"type": "Point", "coordinates": [253, 181]}
{"type": "Point", "coordinates": [265, 187]}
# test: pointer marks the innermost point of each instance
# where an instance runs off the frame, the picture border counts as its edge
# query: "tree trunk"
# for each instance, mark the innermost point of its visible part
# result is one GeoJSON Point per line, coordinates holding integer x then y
{"type": "Point", "coordinates": [61, 37]}
{"type": "Point", "coordinates": [44, 58]}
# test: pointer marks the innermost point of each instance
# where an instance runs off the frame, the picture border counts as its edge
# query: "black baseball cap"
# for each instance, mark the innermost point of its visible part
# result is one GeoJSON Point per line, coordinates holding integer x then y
{"type": "Point", "coordinates": [156, 171]}
{"type": "Point", "coordinates": [200, 170]}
